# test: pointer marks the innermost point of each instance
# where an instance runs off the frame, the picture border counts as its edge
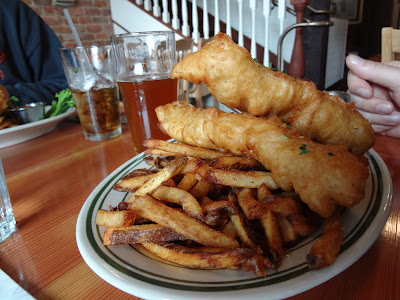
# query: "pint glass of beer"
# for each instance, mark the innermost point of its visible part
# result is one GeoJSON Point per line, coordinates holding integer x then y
{"type": "Point", "coordinates": [144, 61]}
{"type": "Point", "coordinates": [90, 72]}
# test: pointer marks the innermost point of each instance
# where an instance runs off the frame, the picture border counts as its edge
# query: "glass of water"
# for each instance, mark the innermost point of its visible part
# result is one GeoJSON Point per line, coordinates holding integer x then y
{"type": "Point", "coordinates": [7, 220]}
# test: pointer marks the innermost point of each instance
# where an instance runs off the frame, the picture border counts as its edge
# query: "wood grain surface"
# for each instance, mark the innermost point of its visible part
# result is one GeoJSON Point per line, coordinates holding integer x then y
{"type": "Point", "coordinates": [50, 177]}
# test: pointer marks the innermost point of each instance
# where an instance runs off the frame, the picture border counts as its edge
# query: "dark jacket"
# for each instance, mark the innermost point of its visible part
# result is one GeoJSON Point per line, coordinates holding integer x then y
{"type": "Point", "coordinates": [30, 65]}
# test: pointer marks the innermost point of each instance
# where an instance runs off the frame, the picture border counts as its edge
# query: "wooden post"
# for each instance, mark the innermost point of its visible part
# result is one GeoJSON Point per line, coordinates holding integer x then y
{"type": "Point", "coordinates": [297, 63]}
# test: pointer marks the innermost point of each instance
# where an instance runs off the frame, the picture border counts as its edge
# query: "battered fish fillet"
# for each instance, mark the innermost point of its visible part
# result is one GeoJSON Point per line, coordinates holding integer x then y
{"type": "Point", "coordinates": [323, 175]}
{"type": "Point", "coordinates": [237, 81]}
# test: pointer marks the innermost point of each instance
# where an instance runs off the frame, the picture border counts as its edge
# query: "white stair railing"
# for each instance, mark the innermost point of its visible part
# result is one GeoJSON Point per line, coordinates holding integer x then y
{"type": "Point", "coordinates": [147, 5]}
{"type": "Point", "coordinates": [228, 18]}
{"type": "Point", "coordinates": [185, 20]}
{"type": "Point", "coordinates": [240, 10]}
{"type": "Point", "coordinates": [216, 22]}
{"type": "Point", "coordinates": [253, 48]}
{"type": "Point", "coordinates": [195, 22]}
{"type": "Point", "coordinates": [206, 28]}
{"type": "Point", "coordinates": [165, 14]}
{"type": "Point", "coordinates": [175, 18]}
{"type": "Point", "coordinates": [266, 14]}
{"type": "Point", "coordinates": [156, 9]}
{"type": "Point", "coordinates": [281, 14]}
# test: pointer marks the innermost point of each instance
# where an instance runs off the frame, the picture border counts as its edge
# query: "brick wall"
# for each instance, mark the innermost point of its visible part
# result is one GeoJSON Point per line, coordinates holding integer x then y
{"type": "Point", "coordinates": [92, 19]}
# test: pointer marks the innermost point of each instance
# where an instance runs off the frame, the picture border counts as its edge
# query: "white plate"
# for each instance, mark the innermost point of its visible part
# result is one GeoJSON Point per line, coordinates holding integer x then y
{"type": "Point", "coordinates": [25, 132]}
{"type": "Point", "coordinates": [131, 271]}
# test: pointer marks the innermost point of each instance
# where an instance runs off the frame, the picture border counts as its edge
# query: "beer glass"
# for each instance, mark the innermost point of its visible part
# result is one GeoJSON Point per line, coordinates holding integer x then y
{"type": "Point", "coordinates": [144, 61]}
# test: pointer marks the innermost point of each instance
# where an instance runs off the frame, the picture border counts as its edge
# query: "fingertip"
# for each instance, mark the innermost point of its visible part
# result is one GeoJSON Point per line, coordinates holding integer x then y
{"type": "Point", "coordinates": [384, 108]}
{"type": "Point", "coordinates": [354, 60]}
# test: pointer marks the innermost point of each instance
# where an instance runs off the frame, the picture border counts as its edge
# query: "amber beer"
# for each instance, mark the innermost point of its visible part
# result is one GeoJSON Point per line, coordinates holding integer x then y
{"type": "Point", "coordinates": [141, 98]}
{"type": "Point", "coordinates": [98, 111]}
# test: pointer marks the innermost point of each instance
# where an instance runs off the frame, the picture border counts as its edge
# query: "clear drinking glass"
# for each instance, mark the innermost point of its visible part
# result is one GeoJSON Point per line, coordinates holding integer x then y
{"type": "Point", "coordinates": [7, 220]}
{"type": "Point", "coordinates": [144, 62]}
{"type": "Point", "coordinates": [90, 72]}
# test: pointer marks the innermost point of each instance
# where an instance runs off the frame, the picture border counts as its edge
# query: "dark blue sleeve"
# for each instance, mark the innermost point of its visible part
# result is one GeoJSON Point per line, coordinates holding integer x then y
{"type": "Point", "coordinates": [44, 75]}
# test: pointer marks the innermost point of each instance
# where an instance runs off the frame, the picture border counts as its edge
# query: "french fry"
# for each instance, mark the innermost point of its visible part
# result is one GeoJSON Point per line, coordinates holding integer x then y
{"type": "Point", "coordinates": [150, 208]}
{"type": "Point", "coordinates": [205, 258]}
{"type": "Point", "coordinates": [272, 231]}
{"type": "Point", "coordinates": [152, 233]}
{"type": "Point", "coordinates": [289, 236]}
{"type": "Point", "coordinates": [241, 225]}
{"type": "Point", "coordinates": [181, 197]}
{"type": "Point", "coordinates": [115, 218]}
{"type": "Point", "coordinates": [170, 170]}
{"type": "Point", "coordinates": [249, 179]}
{"type": "Point", "coordinates": [153, 151]}
{"type": "Point", "coordinates": [216, 211]}
{"type": "Point", "coordinates": [301, 225]}
{"type": "Point", "coordinates": [158, 161]}
{"type": "Point", "coordinates": [325, 250]}
{"type": "Point", "coordinates": [201, 189]}
{"type": "Point", "coordinates": [188, 182]}
{"type": "Point", "coordinates": [230, 230]}
{"type": "Point", "coordinates": [263, 192]}
{"type": "Point", "coordinates": [282, 205]}
{"type": "Point", "coordinates": [183, 149]}
{"type": "Point", "coordinates": [132, 184]}
{"type": "Point", "coordinates": [236, 162]}
{"type": "Point", "coordinates": [252, 208]}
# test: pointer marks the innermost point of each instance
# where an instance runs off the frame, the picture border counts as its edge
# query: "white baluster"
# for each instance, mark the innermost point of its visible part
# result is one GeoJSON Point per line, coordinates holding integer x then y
{"type": "Point", "coordinates": [266, 13]}
{"type": "Point", "coordinates": [206, 28]}
{"type": "Point", "coordinates": [195, 21]}
{"type": "Point", "coordinates": [228, 18]}
{"type": "Point", "coordinates": [165, 14]}
{"type": "Point", "coordinates": [240, 42]}
{"type": "Point", "coordinates": [253, 49]}
{"type": "Point", "coordinates": [281, 14]}
{"type": "Point", "coordinates": [147, 5]}
{"type": "Point", "coordinates": [156, 8]}
{"type": "Point", "coordinates": [216, 19]}
{"type": "Point", "coordinates": [185, 25]}
{"type": "Point", "coordinates": [139, 2]}
{"type": "Point", "coordinates": [175, 19]}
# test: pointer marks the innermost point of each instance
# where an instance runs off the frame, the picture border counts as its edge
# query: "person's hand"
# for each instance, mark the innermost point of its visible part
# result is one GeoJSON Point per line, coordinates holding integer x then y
{"type": "Point", "coordinates": [375, 90]}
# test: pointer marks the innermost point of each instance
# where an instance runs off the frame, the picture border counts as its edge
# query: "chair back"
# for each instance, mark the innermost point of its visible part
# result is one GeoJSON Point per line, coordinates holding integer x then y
{"type": "Point", "coordinates": [390, 44]}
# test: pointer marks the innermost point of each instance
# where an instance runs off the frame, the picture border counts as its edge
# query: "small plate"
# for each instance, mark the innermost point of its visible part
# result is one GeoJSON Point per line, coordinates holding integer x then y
{"type": "Point", "coordinates": [25, 132]}
{"type": "Point", "coordinates": [135, 273]}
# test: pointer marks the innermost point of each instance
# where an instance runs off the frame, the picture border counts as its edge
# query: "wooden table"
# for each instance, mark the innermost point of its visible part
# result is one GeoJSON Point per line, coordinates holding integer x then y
{"type": "Point", "coordinates": [50, 177]}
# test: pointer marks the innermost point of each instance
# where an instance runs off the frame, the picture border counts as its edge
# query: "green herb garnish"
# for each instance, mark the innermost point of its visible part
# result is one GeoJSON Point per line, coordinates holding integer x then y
{"type": "Point", "coordinates": [303, 149]}
{"type": "Point", "coordinates": [288, 127]}
{"type": "Point", "coordinates": [64, 102]}
{"type": "Point", "coordinates": [330, 153]}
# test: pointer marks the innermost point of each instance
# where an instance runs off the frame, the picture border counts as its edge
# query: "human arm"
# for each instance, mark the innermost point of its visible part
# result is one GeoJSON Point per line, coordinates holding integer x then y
{"type": "Point", "coordinates": [375, 89]}
{"type": "Point", "coordinates": [31, 69]}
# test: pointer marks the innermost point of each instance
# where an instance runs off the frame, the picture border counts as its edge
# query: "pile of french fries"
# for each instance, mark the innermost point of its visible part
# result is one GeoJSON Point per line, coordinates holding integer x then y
{"type": "Point", "coordinates": [202, 208]}
{"type": "Point", "coordinates": [6, 123]}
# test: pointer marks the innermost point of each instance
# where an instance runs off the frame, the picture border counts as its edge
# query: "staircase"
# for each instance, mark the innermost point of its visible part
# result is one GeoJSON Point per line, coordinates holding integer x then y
{"type": "Point", "coordinates": [256, 25]}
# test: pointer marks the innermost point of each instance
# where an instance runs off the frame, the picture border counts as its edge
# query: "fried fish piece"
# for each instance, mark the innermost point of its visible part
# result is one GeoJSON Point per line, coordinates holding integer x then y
{"type": "Point", "coordinates": [323, 175]}
{"type": "Point", "coordinates": [237, 81]}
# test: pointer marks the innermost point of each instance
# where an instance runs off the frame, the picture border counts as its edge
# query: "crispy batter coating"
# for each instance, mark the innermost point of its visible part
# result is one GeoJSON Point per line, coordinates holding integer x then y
{"type": "Point", "coordinates": [236, 80]}
{"type": "Point", "coordinates": [323, 175]}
